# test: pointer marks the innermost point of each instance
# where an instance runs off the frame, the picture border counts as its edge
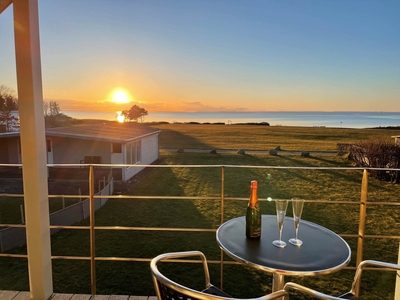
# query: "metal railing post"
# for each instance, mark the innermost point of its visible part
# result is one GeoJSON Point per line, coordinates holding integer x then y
{"type": "Point", "coordinates": [222, 221]}
{"type": "Point", "coordinates": [92, 234]}
{"type": "Point", "coordinates": [397, 288]}
{"type": "Point", "coordinates": [361, 224]}
{"type": "Point", "coordinates": [21, 208]}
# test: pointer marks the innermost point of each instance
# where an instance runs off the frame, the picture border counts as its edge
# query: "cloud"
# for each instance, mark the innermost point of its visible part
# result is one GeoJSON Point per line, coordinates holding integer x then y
{"type": "Point", "coordinates": [200, 107]}
{"type": "Point", "coordinates": [185, 106]}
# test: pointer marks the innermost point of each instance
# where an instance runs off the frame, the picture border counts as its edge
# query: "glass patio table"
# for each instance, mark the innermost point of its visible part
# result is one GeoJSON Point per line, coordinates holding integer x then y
{"type": "Point", "coordinates": [322, 251]}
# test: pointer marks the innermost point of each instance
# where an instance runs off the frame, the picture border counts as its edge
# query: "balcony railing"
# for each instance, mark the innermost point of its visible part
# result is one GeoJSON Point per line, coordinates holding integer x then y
{"type": "Point", "coordinates": [360, 235]}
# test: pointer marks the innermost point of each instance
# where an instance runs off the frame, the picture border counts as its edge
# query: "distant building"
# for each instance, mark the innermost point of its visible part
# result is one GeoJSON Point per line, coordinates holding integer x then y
{"type": "Point", "coordinates": [119, 143]}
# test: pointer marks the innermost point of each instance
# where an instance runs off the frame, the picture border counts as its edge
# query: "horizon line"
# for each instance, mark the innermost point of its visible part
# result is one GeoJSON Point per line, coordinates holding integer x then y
{"type": "Point", "coordinates": [260, 111]}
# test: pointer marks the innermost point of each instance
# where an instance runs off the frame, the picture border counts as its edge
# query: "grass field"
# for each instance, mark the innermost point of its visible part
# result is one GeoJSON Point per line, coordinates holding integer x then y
{"type": "Point", "coordinates": [134, 278]}
{"type": "Point", "coordinates": [251, 137]}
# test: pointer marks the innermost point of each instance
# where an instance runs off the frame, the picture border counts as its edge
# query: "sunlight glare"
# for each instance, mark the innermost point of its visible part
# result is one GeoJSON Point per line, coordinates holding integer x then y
{"type": "Point", "coordinates": [120, 96]}
{"type": "Point", "coordinates": [120, 117]}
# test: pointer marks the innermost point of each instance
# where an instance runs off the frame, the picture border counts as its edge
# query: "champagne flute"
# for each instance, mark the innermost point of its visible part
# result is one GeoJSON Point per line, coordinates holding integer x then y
{"type": "Point", "coordinates": [297, 205]}
{"type": "Point", "coordinates": [281, 206]}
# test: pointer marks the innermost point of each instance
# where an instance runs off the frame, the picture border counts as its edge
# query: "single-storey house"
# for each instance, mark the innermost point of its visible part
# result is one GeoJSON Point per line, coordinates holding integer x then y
{"type": "Point", "coordinates": [107, 143]}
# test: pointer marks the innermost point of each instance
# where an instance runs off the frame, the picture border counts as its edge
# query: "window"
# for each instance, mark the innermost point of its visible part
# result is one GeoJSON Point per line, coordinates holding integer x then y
{"type": "Point", "coordinates": [48, 145]}
{"type": "Point", "coordinates": [133, 153]}
{"type": "Point", "coordinates": [116, 148]}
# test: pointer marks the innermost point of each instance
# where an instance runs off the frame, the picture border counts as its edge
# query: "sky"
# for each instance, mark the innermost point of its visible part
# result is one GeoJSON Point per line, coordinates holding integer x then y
{"type": "Point", "coordinates": [215, 55]}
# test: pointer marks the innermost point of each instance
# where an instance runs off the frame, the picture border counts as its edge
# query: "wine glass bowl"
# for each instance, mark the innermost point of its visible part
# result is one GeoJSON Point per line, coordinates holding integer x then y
{"type": "Point", "coordinates": [281, 207]}
{"type": "Point", "coordinates": [297, 206]}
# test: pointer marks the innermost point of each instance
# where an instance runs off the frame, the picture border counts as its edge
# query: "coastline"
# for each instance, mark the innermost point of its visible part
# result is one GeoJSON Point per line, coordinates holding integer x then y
{"type": "Point", "coordinates": [308, 119]}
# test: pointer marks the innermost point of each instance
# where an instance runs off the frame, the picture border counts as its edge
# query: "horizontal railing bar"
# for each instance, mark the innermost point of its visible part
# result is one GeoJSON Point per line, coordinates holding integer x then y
{"type": "Point", "coordinates": [68, 227]}
{"type": "Point", "coordinates": [225, 262]}
{"type": "Point", "coordinates": [381, 236]}
{"type": "Point", "coordinates": [176, 229]}
{"type": "Point", "coordinates": [210, 166]}
{"type": "Point", "coordinates": [370, 236]}
{"type": "Point", "coordinates": [349, 235]}
{"type": "Point", "coordinates": [155, 229]}
{"type": "Point", "coordinates": [70, 257]}
{"type": "Point", "coordinates": [160, 197]}
{"type": "Point", "coordinates": [14, 255]}
{"type": "Point", "coordinates": [355, 202]}
{"type": "Point", "coordinates": [123, 259]}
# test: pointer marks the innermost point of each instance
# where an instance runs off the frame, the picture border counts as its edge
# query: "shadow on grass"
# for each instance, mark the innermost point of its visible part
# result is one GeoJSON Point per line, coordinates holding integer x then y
{"type": "Point", "coordinates": [349, 178]}
{"type": "Point", "coordinates": [175, 139]}
{"type": "Point", "coordinates": [119, 277]}
{"type": "Point", "coordinates": [295, 162]}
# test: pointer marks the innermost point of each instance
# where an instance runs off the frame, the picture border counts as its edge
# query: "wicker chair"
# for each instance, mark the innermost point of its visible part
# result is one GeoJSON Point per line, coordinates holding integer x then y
{"type": "Point", "coordinates": [356, 282]}
{"type": "Point", "coordinates": [166, 289]}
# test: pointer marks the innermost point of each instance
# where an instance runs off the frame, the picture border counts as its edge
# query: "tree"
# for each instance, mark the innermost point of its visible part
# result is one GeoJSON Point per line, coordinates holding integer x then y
{"type": "Point", "coordinates": [135, 113]}
{"type": "Point", "coordinates": [52, 114]}
{"type": "Point", "coordinates": [8, 104]}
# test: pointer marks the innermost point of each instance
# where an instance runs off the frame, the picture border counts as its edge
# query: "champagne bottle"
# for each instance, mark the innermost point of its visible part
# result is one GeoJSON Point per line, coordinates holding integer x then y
{"type": "Point", "coordinates": [253, 214]}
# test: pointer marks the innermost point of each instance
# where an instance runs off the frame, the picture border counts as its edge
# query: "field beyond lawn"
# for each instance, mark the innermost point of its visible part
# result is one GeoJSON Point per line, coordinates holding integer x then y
{"type": "Point", "coordinates": [256, 137]}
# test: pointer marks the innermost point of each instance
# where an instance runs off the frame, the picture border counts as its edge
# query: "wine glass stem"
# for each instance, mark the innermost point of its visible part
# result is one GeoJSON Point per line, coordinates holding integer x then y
{"type": "Point", "coordinates": [297, 230]}
{"type": "Point", "coordinates": [280, 235]}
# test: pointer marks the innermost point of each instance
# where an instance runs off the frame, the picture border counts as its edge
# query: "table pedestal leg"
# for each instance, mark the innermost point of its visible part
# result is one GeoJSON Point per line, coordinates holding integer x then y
{"type": "Point", "coordinates": [278, 282]}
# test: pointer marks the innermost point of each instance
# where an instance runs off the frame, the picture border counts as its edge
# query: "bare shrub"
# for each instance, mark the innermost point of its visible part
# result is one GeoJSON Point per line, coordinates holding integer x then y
{"type": "Point", "coordinates": [378, 154]}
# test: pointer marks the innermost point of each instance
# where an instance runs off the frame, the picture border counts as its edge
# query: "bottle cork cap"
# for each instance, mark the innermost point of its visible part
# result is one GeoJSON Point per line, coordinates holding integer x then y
{"type": "Point", "coordinates": [253, 184]}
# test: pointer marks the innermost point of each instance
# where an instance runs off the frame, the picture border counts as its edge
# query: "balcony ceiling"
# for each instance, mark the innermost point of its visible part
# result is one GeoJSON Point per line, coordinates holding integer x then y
{"type": "Point", "coordinates": [4, 4]}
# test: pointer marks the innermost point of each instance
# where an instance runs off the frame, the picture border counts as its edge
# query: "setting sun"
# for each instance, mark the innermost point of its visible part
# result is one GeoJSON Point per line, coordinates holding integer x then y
{"type": "Point", "coordinates": [120, 96]}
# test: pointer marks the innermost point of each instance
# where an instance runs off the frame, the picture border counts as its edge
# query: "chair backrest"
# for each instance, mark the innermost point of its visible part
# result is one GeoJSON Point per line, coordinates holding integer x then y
{"type": "Point", "coordinates": [167, 289]}
{"type": "Point", "coordinates": [96, 159]}
{"type": "Point", "coordinates": [87, 159]}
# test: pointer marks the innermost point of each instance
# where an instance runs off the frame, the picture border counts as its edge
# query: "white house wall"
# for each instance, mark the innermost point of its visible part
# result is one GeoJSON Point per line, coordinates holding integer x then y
{"type": "Point", "coordinates": [4, 152]}
{"type": "Point", "coordinates": [149, 151]}
{"type": "Point", "coordinates": [72, 151]}
{"type": "Point", "coordinates": [9, 151]}
{"type": "Point", "coordinates": [14, 151]}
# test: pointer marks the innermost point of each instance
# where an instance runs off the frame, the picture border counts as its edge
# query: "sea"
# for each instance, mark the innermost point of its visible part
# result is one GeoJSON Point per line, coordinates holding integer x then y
{"type": "Point", "coordinates": [313, 119]}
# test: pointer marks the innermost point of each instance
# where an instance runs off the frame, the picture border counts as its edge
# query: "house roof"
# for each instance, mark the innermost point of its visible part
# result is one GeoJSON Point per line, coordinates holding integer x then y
{"type": "Point", "coordinates": [106, 132]}
{"type": "Point", "coordinates": [4, 4]}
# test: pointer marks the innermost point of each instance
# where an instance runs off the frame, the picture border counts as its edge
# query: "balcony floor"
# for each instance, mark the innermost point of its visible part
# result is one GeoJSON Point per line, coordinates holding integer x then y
{"type": "Point", "coordinates": [14, 295]}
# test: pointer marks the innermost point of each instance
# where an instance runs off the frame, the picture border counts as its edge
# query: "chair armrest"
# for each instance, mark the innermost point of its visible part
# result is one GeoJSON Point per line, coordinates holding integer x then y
{"type": "Point", "coordinates": [308, 291]}
{"type": "Point", "coordinates": [374, 263]}
{"type": "Point", "coordinates": [275, 295]}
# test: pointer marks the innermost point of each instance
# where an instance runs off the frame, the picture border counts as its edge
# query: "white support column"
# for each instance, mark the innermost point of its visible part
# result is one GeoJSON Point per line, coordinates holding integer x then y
{"type": "Point", "coordinates": [33, 147]}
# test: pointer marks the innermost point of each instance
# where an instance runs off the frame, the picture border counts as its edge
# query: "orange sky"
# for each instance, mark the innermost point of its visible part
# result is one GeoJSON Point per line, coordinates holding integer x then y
{"type": "Point", "coordinates": [216, 56]}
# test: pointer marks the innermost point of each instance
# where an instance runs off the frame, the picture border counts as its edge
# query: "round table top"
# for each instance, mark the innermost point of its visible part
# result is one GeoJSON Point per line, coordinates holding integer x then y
{"type": "Point", "coordinates": [322, 251]}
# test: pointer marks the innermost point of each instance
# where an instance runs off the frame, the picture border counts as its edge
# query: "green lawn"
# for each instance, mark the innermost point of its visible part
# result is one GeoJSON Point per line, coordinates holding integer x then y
{"type": "Point", "coordinates": [10, 208]}
{"type": "Point", "coordinates": [134, 278]}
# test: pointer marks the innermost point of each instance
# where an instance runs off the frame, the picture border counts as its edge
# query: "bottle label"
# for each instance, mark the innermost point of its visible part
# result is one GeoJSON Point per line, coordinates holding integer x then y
{"type": "Point", "coordinates": [255, 231]}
